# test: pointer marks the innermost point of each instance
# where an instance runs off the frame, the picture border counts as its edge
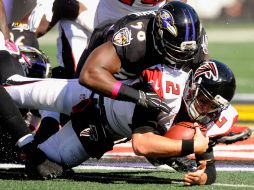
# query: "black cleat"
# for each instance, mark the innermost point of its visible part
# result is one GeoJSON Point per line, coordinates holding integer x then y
{"type": "Point", "coordinates": [38, 166]}
{"type": "Point", "coordinates": [235, 134]}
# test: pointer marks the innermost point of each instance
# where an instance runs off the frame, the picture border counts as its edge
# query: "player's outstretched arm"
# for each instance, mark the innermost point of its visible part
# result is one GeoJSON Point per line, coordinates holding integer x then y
{"type": "Point", "coordinates": [153, 145]}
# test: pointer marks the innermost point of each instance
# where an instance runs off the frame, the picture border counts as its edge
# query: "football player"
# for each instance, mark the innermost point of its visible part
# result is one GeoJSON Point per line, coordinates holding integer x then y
{"type": "Point", "coordinates": [96, 34]}
{"type": "Point", "coordinates": [68, 42]}
{"type": "Point", "coordinates": [11, 119]}
{"type": "Point", "coordinates": [172, 36]}
{"type": "Point", "coordinates": [69, 46]}
{"type": "Point", "coordinates": [81, 18]}
{"type": "Point", "coordinates": [97, 122]}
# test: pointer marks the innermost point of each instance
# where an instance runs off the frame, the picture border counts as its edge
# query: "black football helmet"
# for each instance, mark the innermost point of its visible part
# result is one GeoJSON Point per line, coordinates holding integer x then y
{"type": "Point", "coordinates": [209, 91]}
{"type": "Point", "coordinates": [177, 33]}
{"type": "Point", "coordinates": [35, 63]}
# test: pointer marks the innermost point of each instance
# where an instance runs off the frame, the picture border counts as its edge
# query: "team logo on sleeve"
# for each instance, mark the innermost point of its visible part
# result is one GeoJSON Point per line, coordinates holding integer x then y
{"type": "Point", "coordinates": [90, 132]}
{"type": "Point", "coordinates": [167, 22]}
{"type": "Point", "coordinates": [209, 70]}
{"type": "Point", "coordinates": [122, 37]}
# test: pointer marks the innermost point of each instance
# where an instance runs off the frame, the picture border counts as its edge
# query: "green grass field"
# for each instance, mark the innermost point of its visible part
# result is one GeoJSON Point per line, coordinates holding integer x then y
{"type": "Point", "coordinates": [239, 57]}
{"type": "Point", "coordinates": [126, 180]}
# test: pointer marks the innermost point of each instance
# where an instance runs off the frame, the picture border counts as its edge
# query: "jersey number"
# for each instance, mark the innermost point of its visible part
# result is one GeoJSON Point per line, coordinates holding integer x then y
{"type": "Point", "coordinates": [130, 2]}
{"type": "Point", "coordinates": [171, 87]}
{"type": "Point", "coordinates": [221, 121]}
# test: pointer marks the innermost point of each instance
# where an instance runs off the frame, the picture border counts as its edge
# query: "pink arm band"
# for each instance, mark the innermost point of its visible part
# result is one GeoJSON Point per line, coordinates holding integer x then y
{"type": "Point", "coordinates": [116, 89]}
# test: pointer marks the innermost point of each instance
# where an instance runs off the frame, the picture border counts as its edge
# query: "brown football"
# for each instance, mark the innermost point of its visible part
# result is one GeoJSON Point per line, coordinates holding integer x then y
{"type": "Point", "coordinates": [182, 131]}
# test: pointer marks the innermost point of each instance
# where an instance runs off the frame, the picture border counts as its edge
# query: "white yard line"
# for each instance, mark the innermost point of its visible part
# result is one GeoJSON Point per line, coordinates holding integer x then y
{"type": "Point", "coordinates": [233, 185]}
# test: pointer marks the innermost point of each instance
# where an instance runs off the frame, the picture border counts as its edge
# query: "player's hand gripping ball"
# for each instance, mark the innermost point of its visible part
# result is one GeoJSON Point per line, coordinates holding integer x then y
{"type": "Point", "coordinates": [183, 131]}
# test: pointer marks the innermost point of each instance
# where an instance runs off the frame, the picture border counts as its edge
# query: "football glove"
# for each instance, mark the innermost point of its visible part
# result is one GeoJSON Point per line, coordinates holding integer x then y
{"type": "Point", "coordinates": [152, 100]}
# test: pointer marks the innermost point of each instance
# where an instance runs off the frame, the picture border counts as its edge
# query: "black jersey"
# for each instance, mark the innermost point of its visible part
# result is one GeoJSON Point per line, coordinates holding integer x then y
{"type": "Point", "coordinates": [132, 38]}
{"type": "Point", "coordinates": [133, 41]}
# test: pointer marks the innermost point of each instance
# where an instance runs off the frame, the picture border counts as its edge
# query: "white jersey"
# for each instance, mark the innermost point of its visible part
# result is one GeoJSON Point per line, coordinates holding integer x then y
{"type": "Point", "coordinates": [166, 82]}
{"type": "Point", "coordinates": [115, 9]}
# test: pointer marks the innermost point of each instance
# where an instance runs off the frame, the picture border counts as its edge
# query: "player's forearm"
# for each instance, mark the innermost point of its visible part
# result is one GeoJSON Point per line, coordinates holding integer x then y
{"type": "Point", "coordinates": [3, 24]}
{"type": "Point", "coordinates": [99, 67]}
{"type": "Point", "coordinates": [150, 144]}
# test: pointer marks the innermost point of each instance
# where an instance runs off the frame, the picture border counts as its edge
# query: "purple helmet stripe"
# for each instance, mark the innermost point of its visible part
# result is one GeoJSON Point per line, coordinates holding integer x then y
{"type": "Point", "coordinates": [193, 27]}
{"type": "Point", "coordinates": [186, 27]}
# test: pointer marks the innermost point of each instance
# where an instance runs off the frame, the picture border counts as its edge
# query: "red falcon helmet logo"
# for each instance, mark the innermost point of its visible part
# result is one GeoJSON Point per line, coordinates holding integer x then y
{"type": "Point", "coordinates": [209, 70]}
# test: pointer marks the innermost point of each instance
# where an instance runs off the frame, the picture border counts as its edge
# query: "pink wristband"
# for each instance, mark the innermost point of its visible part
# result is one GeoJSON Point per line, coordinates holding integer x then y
{"type": "Point", "coordinates": [116, 89]}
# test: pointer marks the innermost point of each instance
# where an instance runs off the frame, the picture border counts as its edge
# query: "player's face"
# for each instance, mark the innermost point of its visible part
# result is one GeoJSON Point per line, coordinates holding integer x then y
{"type": "Point", "coordinates": [203, 108]}
{"type": "Point", "coordinates": [204, 105]}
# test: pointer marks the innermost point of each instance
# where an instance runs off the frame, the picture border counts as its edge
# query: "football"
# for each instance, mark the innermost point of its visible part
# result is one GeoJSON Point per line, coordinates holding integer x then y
{"type": "Point", "coordinates": [182, 131]}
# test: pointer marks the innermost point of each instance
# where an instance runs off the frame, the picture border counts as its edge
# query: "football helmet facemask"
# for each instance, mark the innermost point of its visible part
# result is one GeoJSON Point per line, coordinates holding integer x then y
{"type": "Point", "coordinates": [209, 91]}
{"type": "Point", "coordinates": [177, 33]}
{"type": "Point", "coordinates": [34, 62]}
